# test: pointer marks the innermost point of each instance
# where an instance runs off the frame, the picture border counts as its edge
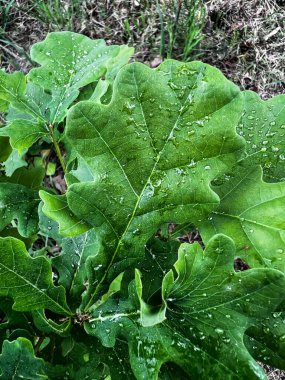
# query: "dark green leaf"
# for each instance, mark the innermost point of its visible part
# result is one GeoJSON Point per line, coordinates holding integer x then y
{"type": "Point", "coordinates": [28, 281]}
{"type": "Point", "coordinates": [19, 200]}
{"type": "Point", "coordinates": [208, 308]}
{"type": "Point", "coordinates": [18, 361]}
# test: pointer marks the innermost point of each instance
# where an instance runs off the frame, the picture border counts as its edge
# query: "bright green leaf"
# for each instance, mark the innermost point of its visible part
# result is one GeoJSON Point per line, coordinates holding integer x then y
{"type": "Point", "coordinates": [14, 161]}
{"type": "Point", "coordinates": [70, 61]}
{"type": "Point", "coordinates": [47, 325]}
{"type": "Point", "coordinates": [12, 87]}
{"type": "Point", "coordinates": [56, 207]}
{"type": "Point", "coordinates": [3, 105]}
{"type": "Point", "coordinates": [29, 100]}
{"type": "Point", "coordinates": [23, 133]}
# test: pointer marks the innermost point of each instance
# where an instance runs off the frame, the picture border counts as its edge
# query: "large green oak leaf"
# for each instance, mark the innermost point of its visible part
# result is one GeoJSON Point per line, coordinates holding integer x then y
{"type": "Point", "coordinates": [151, 154]}
{"type": "Point", "coordinates": [208, 308]}
{"type": "Point", "coordinates": [70, 61]}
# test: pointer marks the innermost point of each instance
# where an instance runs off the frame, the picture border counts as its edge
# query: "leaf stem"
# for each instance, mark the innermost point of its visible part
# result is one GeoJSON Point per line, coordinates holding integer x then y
{"type": "Point", "coordinates": [57, 148]}
{"type": "Point", "coordinates": [38, 345]}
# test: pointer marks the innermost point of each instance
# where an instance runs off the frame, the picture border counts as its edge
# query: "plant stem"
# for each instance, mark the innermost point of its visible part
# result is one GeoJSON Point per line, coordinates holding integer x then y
{"type": "Point", "coordinates": [57, 148]}
{"type": "Point", "coordinates": [38, 345]}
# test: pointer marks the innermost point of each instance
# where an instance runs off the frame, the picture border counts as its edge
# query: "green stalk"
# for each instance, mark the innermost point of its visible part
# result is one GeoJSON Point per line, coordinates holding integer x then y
{"type": "Point", "coordinates": [57, 148]}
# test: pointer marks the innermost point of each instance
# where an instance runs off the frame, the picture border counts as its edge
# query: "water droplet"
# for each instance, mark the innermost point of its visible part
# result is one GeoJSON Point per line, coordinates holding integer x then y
{"type": "Point", "coordinates": [219, 331]}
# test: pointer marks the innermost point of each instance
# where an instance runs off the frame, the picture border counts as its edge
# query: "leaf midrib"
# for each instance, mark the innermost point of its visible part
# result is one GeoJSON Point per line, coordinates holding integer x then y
{"type": "Point", "coordinates": [159, 154]}
{"type": "Point", "coordinates": [138, 200]}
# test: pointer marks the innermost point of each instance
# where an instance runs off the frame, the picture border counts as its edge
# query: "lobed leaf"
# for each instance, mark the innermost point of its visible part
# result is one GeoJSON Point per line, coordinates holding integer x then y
{"type": "Point", "coordinates": [17, 361]}
{"type": "Point", "coordinates": [56, 207]}
{"type": "Point", "coordinates": [252, 213]}
{"type": "Point", "coordinates": [208, 308]}
{"type": "Point", "coordinates": [148, 158]}
{"type": "Point", "coordinates": [28, 281]}
{"type": "Point", "coordinates": [70, 61]}
{"type": "Point", "coordinates": [19, 200]}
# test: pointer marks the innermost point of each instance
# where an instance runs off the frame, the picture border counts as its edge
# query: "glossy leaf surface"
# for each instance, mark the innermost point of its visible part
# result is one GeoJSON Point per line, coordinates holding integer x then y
{"type": "Point", "coordinates": [28, 281]}
{"type": "Point", "coordinates": [263, 127]}
{"type": "Point", "coordinates": [148, 155]}
{"type": "Point", "coordinates": [17, 361]}
{"type": "Point", "coordinates": [252, 213]}
{"type": "Point", "coordinates": [206, 317]}
{"type": "Point", "coordinates": [70, 61]}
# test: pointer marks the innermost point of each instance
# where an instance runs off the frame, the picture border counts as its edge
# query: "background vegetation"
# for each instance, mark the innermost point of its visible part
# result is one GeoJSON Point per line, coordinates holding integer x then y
{"type": "Point", "coordinates": [245, 39]}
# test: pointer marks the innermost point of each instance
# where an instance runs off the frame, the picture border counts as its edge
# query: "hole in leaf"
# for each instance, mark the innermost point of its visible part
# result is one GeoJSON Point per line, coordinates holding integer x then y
{"type": "Point", "coordinates": [240, 265]}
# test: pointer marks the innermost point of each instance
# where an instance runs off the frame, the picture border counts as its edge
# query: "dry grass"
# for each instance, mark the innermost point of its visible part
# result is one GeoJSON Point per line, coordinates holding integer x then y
{"type": "Point", "coordinates": [144, 24]}
{"type": "Point", "coordinates": [274, 374]}
{"type": "Point", "coordinates": [246, 39]}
